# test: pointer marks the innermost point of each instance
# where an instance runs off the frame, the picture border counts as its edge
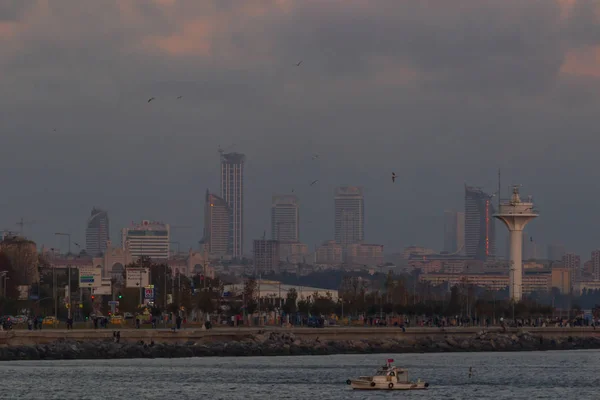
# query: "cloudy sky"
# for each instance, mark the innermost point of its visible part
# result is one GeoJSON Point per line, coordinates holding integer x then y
{"type": "Point", "coordinates": [441, 92]}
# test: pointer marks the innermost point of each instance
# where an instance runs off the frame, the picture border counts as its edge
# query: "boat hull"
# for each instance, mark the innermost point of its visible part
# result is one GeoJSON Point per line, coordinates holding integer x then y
{"type": "Point", "coordinates": [366, 385]}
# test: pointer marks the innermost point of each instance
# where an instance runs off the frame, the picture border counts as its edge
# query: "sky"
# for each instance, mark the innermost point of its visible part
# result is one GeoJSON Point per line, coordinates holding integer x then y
{"type": "Point", "coordinates": [442, 93]}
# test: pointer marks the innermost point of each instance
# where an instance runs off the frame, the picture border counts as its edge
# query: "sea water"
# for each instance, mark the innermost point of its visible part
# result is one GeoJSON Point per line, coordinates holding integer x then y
{"type": "Point", "coordinates": [522, 375]}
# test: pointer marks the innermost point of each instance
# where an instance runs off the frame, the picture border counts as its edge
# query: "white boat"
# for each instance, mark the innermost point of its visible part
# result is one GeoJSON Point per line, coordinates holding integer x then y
{"type": "Point", "coordinates": [388, 377]}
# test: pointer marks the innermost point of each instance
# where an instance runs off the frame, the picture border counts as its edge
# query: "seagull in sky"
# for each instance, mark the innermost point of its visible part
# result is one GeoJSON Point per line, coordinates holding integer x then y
{"type": "Point", "coordinates": [313, 182]}
{"type": "Point", "coordinates": [54, 130]}
{"type": "Point", "coordinates": [393, 177]}
{"type": "Point", "coordinates": [315, 156]}
{"type": "Point", "coordinates": [179, 97]}
{"type": "Point", "coordinates": [150, 99]}
{"type": "Point", "coordinates": [297, 65]}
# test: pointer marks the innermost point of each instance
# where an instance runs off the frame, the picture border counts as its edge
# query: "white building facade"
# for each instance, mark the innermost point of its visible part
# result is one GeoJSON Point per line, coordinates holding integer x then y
{"type": "Point", "coordinates": [147, 239]}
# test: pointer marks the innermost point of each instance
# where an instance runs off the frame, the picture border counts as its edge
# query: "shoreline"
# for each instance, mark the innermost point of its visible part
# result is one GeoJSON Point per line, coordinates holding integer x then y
{"type": "Point", "coordinates": [285, 344]}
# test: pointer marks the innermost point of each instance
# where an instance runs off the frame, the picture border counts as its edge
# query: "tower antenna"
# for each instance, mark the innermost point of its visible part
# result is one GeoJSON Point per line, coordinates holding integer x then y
{"type": "Point", "coordinates": [499, 189]}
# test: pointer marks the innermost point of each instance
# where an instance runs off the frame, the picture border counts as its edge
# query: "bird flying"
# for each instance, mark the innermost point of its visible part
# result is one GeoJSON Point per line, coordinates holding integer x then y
{"type": "Point", "coordinates": [393, 177]}
{"type": "Point", "coordinates": [315, 156]}
{"type": "Point", "coordinates": [150, 99]}
{"type": "Point", "coordinates": [179, 97]}
{"type": "Point", "coordinates": [313, 182]}
{"type": "Point", "coordinates": [54, 130]}
{"type": "Point", "coordinates": [297, 65]}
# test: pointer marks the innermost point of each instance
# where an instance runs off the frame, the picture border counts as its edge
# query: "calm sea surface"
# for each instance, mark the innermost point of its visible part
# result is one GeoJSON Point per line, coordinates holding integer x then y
{"type": "Point", "coordinates": [527, 375]}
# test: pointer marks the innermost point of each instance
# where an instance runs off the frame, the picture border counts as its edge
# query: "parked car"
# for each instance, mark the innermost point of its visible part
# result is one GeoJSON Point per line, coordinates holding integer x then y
{"type": "Point", "coordinates": [128, 315]}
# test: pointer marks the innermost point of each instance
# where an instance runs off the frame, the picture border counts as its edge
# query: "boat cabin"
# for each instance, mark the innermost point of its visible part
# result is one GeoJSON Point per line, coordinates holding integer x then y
{"type": "Point", "coordinates": [392, 374]}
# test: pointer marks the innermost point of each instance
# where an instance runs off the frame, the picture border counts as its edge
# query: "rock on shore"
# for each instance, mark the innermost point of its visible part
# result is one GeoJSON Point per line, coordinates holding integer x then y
{"type": "Point", "coordinates": [277, 344]}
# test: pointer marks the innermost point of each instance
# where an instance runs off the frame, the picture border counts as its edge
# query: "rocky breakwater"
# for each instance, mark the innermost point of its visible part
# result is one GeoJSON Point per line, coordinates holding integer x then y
{"type": "Point", "coordinates": [278, 344]}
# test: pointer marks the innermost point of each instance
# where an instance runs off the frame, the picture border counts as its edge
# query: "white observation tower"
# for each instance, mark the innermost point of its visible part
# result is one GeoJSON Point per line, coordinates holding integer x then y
{"type": "Point", "coordinates": [516, 214]}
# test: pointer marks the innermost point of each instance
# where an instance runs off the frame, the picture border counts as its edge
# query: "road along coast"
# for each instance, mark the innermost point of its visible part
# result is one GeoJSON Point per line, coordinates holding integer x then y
{"type": "Point", "coordinates": [281, 342]}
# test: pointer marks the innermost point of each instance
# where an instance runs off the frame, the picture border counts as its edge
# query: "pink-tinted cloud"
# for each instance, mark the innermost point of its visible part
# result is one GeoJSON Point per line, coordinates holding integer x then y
{"type": "Point", "coordinates": [192, 38]}
{"type": "Point", "coordinates": [7, 30]}
{"type": "Point", "coordinates": [198, 33]}
{"type": "Point", "coordinates": [582, 63]}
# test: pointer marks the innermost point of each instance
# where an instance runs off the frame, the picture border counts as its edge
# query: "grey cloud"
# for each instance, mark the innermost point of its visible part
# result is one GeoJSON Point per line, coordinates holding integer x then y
{"type": "Point", "coordinates": [583, 26]}
{"type": "Point", "coordinates": [471, 44]}
{"type": "Point", "coordinates": [13, 10]}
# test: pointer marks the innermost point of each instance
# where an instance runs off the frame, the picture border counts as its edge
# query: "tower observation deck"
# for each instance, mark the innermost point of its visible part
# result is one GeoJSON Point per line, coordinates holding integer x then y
{"type": "Point", "coordinates": [516, 214]}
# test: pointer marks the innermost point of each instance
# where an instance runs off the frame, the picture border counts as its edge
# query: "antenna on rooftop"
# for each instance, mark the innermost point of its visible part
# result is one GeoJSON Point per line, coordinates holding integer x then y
{"type": "Point", "coordinates": [499, 189]}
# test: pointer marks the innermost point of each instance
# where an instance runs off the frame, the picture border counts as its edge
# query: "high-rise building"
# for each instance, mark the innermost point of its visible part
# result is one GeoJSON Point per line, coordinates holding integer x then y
{"type": "Point", "coordinates": [480, 233]}
{"type": "Point", "coordinates": [562, 278]}
{"type": "Point", "coordinates": [349, 215]}
{"type": "Point", "coordinates": [572, 261]}
{"type": "Point", "coordinates": [454, 231]}
{"type": "Point", "coordinates": [97, 232]}
{"type": "Point", "coordinates": [530, 248]}
{"type": "Point", "coordinates": [330, 253]}
{"type": "Point", "coordinates": [460, 232]}
{"type": "Point", "coordinates": [147, 239]}
{"type": "Point", "coordinates": [217, 215]}
{"type": "Point", "coordinates": [232, 191]}
{"type": "Point", "coordinates": [285, 218]}
{"type": "Point", "coordinates": [596, 265]}
{"type": "Point", "coordinates": [370, 255]}
{"type": "Point", "coordinates": [266, 256]}
{"type": "Point", "coordinates": [556, 252]}
{"type": "Point", "coordinates": [293, 252]}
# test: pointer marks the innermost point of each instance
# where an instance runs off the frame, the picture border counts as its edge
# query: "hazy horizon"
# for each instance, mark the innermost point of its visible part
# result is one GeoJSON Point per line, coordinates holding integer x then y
{"type": "Point", "coordinates": [441, 93]}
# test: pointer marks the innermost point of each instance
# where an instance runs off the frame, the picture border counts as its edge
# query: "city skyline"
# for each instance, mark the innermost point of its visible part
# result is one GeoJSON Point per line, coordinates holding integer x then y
{"type": "Point", "coordinates": [553, 251]}
{"type": "Point", "coordinates": [453, 104]}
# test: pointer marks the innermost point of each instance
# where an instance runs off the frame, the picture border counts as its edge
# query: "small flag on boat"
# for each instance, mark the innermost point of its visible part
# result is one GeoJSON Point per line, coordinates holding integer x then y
{"type": "Point", "coordinates": [390, 360]}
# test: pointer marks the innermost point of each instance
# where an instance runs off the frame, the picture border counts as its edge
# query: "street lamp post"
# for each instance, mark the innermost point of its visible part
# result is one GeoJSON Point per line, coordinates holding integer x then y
{"type": "Point", "coordinates": [141, 289]}
{"type": "Point", "coordinates": [3, 275]}
{"type": "Point", "coordinates": [54, 292]}
{"type": "Point", "coordinates": [69, 291]}
{"type": "Point", "coordinates": [143, 271]}
{"type": "Point", "coordinates": [68, 296]}
{"type": "Point", "coordinates": [165, 289]}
